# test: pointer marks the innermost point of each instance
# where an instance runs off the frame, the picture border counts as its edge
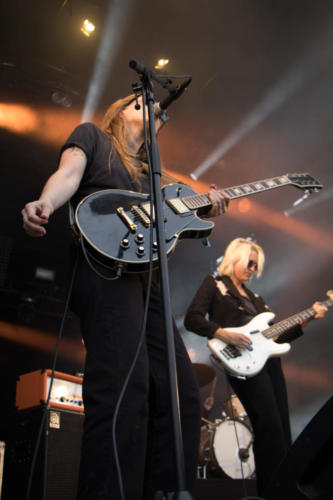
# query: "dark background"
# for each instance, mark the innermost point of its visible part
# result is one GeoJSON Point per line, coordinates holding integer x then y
{"type": "Point", "coordinates": [262, 79]}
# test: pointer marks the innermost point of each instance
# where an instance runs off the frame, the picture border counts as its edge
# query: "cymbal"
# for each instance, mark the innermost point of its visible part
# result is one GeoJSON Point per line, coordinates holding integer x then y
{"type": "Point", "coordinates": [203, 373]}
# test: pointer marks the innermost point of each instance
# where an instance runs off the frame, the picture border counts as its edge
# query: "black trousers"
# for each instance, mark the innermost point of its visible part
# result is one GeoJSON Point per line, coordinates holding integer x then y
{"type": "Point", "coordinates": [264, 398]}
{"type": "Point", "coordinates": [111, 315]}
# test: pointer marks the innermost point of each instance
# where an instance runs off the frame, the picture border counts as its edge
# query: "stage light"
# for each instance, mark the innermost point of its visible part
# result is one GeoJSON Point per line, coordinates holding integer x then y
{"type": "Point", "coordinates": [87, 28]}
{"type": "Point", "coordinates": [18, 118]}
{"type": "Point", "coordinates": [161, 63]}
{"type": "Point", "coordinates": [114, 30]}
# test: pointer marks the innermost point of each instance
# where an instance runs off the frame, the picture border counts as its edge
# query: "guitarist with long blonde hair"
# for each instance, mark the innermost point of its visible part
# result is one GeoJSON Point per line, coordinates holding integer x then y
{"type": "Point", "coordinates": [224, 301]}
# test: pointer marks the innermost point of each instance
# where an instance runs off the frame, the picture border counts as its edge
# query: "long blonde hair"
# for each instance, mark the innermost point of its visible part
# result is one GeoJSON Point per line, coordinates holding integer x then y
{"type": "Point", "coordinates": [240, 249]}
{"type": "Point", "coordinates": [113, 125]}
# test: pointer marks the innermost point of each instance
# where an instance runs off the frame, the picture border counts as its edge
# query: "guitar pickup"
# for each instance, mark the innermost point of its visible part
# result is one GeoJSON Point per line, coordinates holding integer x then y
{"type": "Point", "coordinates": [125, 218]}
{"type": "Point", "coordinates": [178, 206]}
{"type": "Point", "coordinates": [231, 351]}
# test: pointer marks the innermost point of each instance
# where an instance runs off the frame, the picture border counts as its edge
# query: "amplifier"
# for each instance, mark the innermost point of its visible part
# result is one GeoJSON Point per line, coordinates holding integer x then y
{"type": "Point", "coordinates": [32, 390]}
{"type": "Point", "coordinates": [56, 469]}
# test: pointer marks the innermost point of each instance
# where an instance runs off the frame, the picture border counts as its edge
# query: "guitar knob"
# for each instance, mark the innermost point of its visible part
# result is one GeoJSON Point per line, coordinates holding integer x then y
{"type": "Point", "coordinates": [139, 238]}
{"type": "Point", "coordinates": [140, 250]}
{"type": "Point", "coordinates": [155, 246]}
{"type": "Point", "coordinates": [124, 243]}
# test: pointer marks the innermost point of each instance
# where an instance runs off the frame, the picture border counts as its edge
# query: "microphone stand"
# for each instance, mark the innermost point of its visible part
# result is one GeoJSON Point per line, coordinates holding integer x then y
{"type": "Point", "coordinates": [146, 78]}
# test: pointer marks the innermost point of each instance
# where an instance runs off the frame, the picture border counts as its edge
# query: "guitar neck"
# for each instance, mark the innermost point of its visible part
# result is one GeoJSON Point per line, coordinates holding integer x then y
{"type": "Point", "coordinates": [284, 325]}
{"type": "Point", "coordinates": [202, 200]}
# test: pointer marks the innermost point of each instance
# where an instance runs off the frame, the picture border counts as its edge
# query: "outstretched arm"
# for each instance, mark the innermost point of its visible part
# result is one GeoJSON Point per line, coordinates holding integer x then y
{"type": "Point", "coordinates": [59, 188]}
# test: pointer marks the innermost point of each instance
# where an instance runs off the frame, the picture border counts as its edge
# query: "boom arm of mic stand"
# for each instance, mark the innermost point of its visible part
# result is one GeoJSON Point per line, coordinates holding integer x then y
{"type": "Point", "coordinates": [165, 290]}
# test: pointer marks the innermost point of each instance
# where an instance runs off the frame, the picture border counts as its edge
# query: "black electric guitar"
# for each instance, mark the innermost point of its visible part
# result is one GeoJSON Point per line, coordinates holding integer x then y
{"type": "Point", "coordinates": [115, 224]}
{"type": "Point", "coordinates": [248, 362]}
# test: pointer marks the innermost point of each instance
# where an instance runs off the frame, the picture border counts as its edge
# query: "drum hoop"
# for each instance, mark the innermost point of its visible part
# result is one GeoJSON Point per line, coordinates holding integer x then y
{"type": "Point", "coordinates": [213, 446]}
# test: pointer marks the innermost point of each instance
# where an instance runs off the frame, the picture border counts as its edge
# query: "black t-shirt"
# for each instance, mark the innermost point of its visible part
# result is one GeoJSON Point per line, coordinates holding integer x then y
{"type": "Point", "coordinates": [104, 168]}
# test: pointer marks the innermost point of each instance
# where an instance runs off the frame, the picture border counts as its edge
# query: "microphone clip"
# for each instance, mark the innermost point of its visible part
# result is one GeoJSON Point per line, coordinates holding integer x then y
{"type": "Point", "coordinates": [137, 91]}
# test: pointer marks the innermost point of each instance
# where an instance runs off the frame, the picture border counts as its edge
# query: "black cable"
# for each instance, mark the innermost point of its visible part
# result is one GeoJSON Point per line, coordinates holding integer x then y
{"type": "Point", "coordinates": [108, 278]}
{"type": "Point", "coordinates": [55, 357]}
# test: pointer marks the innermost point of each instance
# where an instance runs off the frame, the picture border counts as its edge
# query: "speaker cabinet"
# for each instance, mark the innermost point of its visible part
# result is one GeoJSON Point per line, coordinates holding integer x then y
{"type": "Point", "coordinates": [57, 466]}
{"type": "Point", "coordinates": [307, 471]}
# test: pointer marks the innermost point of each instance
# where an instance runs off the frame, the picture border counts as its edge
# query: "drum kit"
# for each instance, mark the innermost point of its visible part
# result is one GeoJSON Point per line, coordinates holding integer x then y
{"type": "Point", "coordinates": [226, 445]}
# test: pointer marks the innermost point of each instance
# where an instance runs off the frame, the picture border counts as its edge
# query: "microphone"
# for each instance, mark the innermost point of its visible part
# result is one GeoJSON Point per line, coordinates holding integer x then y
{"type": "Point", "coordinates": [160, 107]}
{"type": "Point", "coordinates": [138, 67]}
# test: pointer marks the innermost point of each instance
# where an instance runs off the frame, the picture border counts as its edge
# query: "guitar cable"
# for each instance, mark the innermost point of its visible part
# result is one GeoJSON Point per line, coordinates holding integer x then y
{"type": "Point", "coordinates": [93, 268]}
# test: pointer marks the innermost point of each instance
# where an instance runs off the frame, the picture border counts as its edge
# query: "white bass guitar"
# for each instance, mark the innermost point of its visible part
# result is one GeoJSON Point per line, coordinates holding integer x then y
{"type": "Point", "coordinates": [249, 362]}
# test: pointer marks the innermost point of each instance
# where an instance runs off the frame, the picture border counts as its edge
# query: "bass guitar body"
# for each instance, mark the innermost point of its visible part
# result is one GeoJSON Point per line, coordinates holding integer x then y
{"type": "Point", "coordinates": [248, 362]}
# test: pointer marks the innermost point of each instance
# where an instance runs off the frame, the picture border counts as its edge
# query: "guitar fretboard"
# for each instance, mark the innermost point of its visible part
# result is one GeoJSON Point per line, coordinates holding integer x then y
{"type": "Point", "coordinates": [195, 202]}
{"type": "Point", "coordinates": [296, 319]}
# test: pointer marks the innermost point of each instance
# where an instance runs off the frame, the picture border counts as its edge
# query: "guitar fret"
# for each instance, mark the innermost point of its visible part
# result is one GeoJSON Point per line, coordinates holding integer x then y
{"type": "Point", "coordinates": [247, 188]}
{"type": "Point", "coordinates": [190, 202]}
{"type": "Point", "coordinates": [296, 319]}
{"type": "Point", "coordinates": [271, 183]}
{"type": "Point", "coordinates": [231, 193]}
{"type": "Point", "coordinates": [228, 192]}
{"type": "Point", "coordinates": [238, 190]}
{"type": "Point", "coordinates": [259, 186]}
{"type": "Point", "coordinates": [194, 202]}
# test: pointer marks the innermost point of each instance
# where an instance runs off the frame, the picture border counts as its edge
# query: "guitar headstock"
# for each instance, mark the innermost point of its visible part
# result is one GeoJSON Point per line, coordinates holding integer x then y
{"type": "Point", "coordinates": [304, 181]}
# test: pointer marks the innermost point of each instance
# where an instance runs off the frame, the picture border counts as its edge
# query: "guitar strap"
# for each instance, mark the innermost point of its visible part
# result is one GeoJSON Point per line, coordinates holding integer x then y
{"type": "Point", "coordinates": [248, 305]}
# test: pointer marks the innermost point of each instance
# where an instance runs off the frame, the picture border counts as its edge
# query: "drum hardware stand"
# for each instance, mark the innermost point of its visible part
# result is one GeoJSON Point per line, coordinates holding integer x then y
{"type": "Point", "coordinates": [146, 77]}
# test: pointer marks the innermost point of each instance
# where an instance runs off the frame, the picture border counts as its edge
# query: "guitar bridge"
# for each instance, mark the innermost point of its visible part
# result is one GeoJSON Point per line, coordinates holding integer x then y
{"type": "Point", "coordinates": [141, 215]}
